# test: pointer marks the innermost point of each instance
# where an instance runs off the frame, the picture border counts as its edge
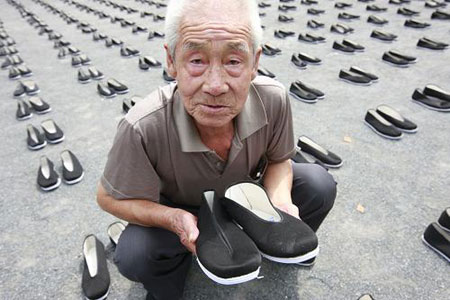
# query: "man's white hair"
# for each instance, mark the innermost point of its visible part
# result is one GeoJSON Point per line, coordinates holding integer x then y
{"type": "Point", "coordinates": [176, 9]}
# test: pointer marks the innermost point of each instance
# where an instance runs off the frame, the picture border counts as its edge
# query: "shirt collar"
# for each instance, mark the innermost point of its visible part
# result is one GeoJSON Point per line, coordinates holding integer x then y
{"type": "Point", "coordinates": [252, 118]}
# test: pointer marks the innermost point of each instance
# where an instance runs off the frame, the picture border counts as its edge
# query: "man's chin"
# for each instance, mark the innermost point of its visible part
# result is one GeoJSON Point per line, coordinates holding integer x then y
{"type": "Point", "coordinates": [213, 122]}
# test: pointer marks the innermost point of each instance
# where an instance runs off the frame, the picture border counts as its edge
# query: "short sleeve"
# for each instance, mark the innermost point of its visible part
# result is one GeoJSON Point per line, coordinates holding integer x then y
{"type": "Point", "coordinates": [281, 144]}
{"type": "Point", "coordinates": [129, 173]}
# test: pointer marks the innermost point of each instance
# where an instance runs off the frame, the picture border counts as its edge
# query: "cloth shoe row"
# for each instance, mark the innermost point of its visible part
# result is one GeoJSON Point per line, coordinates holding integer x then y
{"type": "Point", "coordinates": [236, 230]}
{"type": "Point", "coordinates": [52, 133]}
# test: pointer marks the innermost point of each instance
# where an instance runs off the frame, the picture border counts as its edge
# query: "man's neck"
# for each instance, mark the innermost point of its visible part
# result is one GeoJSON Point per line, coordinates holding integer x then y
{"type": "Point", "coordinates": [217, 138]}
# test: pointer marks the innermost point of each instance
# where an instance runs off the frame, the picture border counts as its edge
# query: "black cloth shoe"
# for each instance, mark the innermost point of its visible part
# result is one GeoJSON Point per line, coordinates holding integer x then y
{"type": "Point", "coordinates": [407, 12]}
{"type": "Point", "coordinates": [327, 157]}
{"type": "Point", "coordinates": [117, 86]}
{"type": "Point", "coordinates": [309, 59]}
{"type": "Point", "coordinates": [143, 65]}
{"type": "Point", "coordinates": [95, 281]}
{"type": "Point", "coordinates": [354, 78]}
{"type": "Point", "coordinates": [127, 51]}
{"type": "Point", "coordinates": [377, 20]}
{"type": "Point", "coordinates": [346, 16]}
{"type": "Point", "coordinates": [14, 73]}
{"type": "Point", "coordinates": [285, 19]}
{"type": "Point", "coordinates": [84, 76]}
{"type": "Point", "coordinates": [341, 28]}
{"type": "Point", "coordinates": [434, 4]}
{"type": "Point", "coordinates": [301, 159]}
{"type": "Point", "coordinates": [430, 103]}
{"type": "Point", "coordinates": [115, 231]}
{"type": "Point", "coordinates": [301, 94]}
{"type": "Point", "coordinates": [444, 219]}
{"type": "Point", "coordinates": [30, 87]}
{"type": "Point", "coordinates": [381, 126]}
{"type": "Point", "coordinates": [23, 111]}
{"type": "Point", "coordinates": [354, 45]}
{"type": "Point", "coordinates": [24, 71]}
{"type": "Point", "coordinates": [72, 170]}
{"type": "Point", "coordinates": [283, 33]}
{"type": "Point", "coordinates": [47, 179]}
{"type": "Point", "coordinates": [383, 36]}
{"type": "Point", "coordinates": [128, 103]}
{"type": "Point", "coordinates": [105, 91]}
{"type": "Point", "coordinates": [95, 73]}
{"type": "Point", "coordinates": [440, 15]}
{"type": "Point", "coordinates": [285, 7]}
{"type": "Point", "coordinates": [35, 139]}
{"type": "Point", "coordinates": [438, 240]}
{"type": "Point", "coordinates": [308, 39]}
{"type": "Point", "coordinates": [167, 77]}
{"type": "Point", "coordinates": [63, 52]}
{"type": "Point", "coordinates": [304, 86]}
{"type": "Point", "coordinates": [357, 70]}
{"type": "Point", "coordinates": [315, 12]}
{"type": "Point", "coordinates": [396, 119]}
{"type": "Point", "coordinates": [373, 7]}
{"type": "Point", "coordinates": [265, 72]}
{"type": "Point", "coordinates": [39, 105]}
{"type": "Point", "coordinates": [408, 58]}
{"type": "Point", "coordinates": [85, 60]}
{"type": "Point", "coordinates": [279, 237]}
{"type": "Point", "coordinates": [435, 91]}
{"type": "Point", "coordinates": [342, 5]}
{"type": "Point", "coordinates": [53, 133]}
{"type": "Point", "coordinates": [431, 44]}
{"type": "Point", "coordinates": [395, 60]}
{"type": "Point", "coordinates": [343, 48]}
{"type": "Point", "coordinates": [416, 24]}
{"type": "Point", "coordinates": [76, 61]}
{"type": "Point", "coordinates": [314, 24]}
{"type": "Point", "coordinates": [224, 252]}
{"type": "Point", "coordinates": [152, 62]}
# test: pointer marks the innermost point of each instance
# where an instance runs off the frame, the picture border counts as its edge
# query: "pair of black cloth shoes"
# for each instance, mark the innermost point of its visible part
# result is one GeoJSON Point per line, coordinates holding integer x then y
{"type": "Point", "coordinates": [39, 106]}
{"type": "Point", "coordinates": [111, 88]}
{"type": "Point", "coordinates": [416, 24]}
{"type": "Point", "coordinates": [397, 59]}
{"type": "Point", "coordinates": [79, 60]}
{"type": "Point", "coordinates": [311, 38]}
{"type": "Point", "coordinates": [348, 46]}
{"type": "Point", "coordinates": [270, 50]}
{"type": "Point", "coordinates": [433, 97]}
{"type": "Point", "coordinates": [323, 156]}
{"type": "Point", "coordinates": [388, 122]}
{"type": "Point", "coordinates": [383, 36]}
{"type": "Point", "coordinates": [431, 44]}
{"type": "Point", "coordinates": [26, 87]}
{"type": "Point", "coordinates": [304, 92]}
{"type": "Point", "coordinates": [85, 76]}
{"type": "Point", "coordinates": [72, 171]}
{"type": "Point", "coordinates": [236, 230]}
{"type": "Point", "coordinates": [128, 51]}
{"type": "Point", "coordinates": [20, 71]}
{"type": "Point", "coordinates": [147, 62]}
{"type": "Point", "coordinates": [341, 28]}
{"type": "Point", "coordinates": [53, 134]}
{"type": "Point", "coordinates": [437, 235]}
{"type": "Point", "coordinates": [358, 76]}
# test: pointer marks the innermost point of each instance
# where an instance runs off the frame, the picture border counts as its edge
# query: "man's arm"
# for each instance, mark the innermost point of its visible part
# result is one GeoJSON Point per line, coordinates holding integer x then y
{"type": "Point", "coordinates": [278, 183]}
{"type": "Point", "coordinates": [152, 214]}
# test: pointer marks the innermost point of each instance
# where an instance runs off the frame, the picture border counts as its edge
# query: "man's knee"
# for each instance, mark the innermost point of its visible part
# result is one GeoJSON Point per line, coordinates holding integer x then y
{"type": "Point", "coordinates": [314, 181]}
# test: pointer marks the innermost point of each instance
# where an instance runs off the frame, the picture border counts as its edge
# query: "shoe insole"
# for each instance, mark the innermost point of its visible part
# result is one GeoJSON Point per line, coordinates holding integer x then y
{"type": "Point", "coordinates": [311, 143]}
{"type": "Point", "coordinates": [254, 198]}
{"type": "Point", "coordinates": [49, 126]}
{"type": "Point", "coordinates": [379, 118]}
{"type": "Point", "coordinates": [436, 88]}
{"type": "Point", "coordinates": [67, 160]}
{"type": "Point", "coordinates": [45, 167]}
{"type": "Point", "coordinates": [32, 134]}
{"type": "Point", "coordinates": [90, 254]}
{"type": "Point", "coordinates": [387, 110]}
{"type": "Point", "coordinates": [36, 100]}
{"type": "Point", "coordinates": [115, 230]}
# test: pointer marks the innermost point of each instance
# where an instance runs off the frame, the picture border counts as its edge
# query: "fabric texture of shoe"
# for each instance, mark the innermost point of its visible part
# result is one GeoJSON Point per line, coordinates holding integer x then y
{"type": "Point", "coordinates": [354, 78]}
{"type": "Point", "coordinates": [117, 86]}
{"type": "Point", "coordinates": [383, 36]}
{"type": "Point", "coordinates": [72, 170]}
{"type": "Point", "coordinates": [357, 70]}
{"type": "Point", "coordinates": [309, 59]}
{"type": "Point", "coordinates": [308, 88]}
{"type": "Point", "coordinates": [279, 236]}
{"type": "Point", "coordinates": [395, 60]}
{"type": "Point", "coordinates": [444, 219]}
{"type": "Point", "coordinates": [438, 240]}
{"type": "Point", "coordinates": [95, 281]}
{"type": "Point", "coordinates": [24, 71]}
{"type": "Point", "coordinates": [224, 252]}
{"type": "Point", "coordinates": [437, 92]}
{"type": "Point", "coordinates": [39, 105]}
{"type": "Point", "coordinates": [52, 132]}
{"type": "Point", "coordinates": [23, 111]}
{"type": "Point", "coordinates": [35, 139]}
{"type": "Point", "coordinates": [343, 48]}
{"type": "Point", "coordinates": [381, 126]}
{"type": "Point", "coordinates": [410, 59]}
{"type": "Point", "coordinates": [327, 157]}
{"type": "Point", "coordinates": [430, 103]}
{"type": "Point", "coordinates": [396, 119]}
{"type": "Point", "coordinates": [354, 45]}
{"type": "Point", "coordinates": [47, 179]}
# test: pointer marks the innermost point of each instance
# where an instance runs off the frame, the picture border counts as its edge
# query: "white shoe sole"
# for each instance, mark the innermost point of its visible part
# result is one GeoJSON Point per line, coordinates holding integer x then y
{"type": "Point", "coordinates": [395, 65]}
{"type": "Point", "coordinates": [38, 146]}
{"type": "Point", "coordinates": [43, 111]}
{"type": "Point", "coordinates": [25, 117]}
{"type": "Point", "coordinates": [430, 107]}
{"type": "Point", "coordinates": [436, 250]}
{"type": "Point", "coordinates": [101, 298]}
{"type": "Point", "coordinates": [382, 134]}
{"type": "Point", "coordinates": [232, 280]}
{"type": "Point", "coordinates": [292, 260]}
{"type": "Point", "coordinates": [443, 227]}
{"type": "Point", "coordinates": [56, 141]}
{"type": "Point", "coordinates": [355, 83]}
{"type": "Point", "coordinates": [53, 187]}
{"type": "Point", "coordinates": [74, 180]}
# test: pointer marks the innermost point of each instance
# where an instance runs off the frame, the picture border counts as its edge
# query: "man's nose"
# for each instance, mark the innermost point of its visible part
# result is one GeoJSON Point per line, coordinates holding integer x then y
{"type": "Point", "coordinates": [215, 82]}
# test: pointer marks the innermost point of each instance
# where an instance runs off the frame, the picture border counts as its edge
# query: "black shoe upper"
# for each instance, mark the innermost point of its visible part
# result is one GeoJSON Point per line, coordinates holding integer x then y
{"type": "Point", "coordinates": [72, 169]}
{"type": "Point", "coordinates": [432, 103]}
{"type": "Point", "coordinates": [381, 125]}
{"type": "Point", "coordinates": [444, 219]}
{"type": "Point", "coordinates": [47, 176]}
{"type": "Point", "coordinates": [439, 239]}
{"type": "Point", "coordinates": [327, 157]}
{"type": "Point", "coordinates": [394, 117]}
{"type": "Point", "coordinates": [437, 92]}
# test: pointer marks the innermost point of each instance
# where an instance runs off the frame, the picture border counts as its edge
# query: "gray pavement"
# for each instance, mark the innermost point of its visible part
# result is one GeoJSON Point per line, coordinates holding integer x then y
{"type": "Point", "coordinates": [402, 185]}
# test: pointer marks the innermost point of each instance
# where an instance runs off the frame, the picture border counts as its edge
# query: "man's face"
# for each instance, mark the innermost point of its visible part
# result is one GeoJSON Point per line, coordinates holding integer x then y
{"type": "Point", "coordinates": [214, 63]}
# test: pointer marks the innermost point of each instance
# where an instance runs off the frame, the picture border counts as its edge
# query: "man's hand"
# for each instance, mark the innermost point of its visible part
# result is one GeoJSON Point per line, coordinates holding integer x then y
{"type": "Point", "coordinates": [288, 208]}
{"type": "Point", "coordinates": [184, 224]}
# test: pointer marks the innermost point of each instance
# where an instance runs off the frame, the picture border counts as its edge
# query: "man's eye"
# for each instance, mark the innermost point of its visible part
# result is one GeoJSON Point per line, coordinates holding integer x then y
{"type": "Point", "coordinates": [196, 61]}
{"type": "Point", "coordinates": [234, 62]}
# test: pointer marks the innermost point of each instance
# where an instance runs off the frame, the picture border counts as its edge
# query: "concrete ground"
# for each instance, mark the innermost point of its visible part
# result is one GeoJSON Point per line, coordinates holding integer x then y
{"type": "Point", "coordinates": [402, 185]}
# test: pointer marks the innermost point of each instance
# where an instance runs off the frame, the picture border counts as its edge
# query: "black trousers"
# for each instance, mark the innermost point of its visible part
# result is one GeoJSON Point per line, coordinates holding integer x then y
{"type": "Point", "coordinates": [156, 258]}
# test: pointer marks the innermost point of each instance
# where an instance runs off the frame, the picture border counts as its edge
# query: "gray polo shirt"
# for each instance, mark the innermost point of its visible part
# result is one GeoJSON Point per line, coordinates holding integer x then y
{"type": "Point", "coordinates": [158, 150]}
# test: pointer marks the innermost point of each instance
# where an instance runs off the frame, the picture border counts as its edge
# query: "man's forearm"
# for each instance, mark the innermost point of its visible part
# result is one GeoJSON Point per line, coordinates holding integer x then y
{"type": "Point", "coordinates": [278, 182]}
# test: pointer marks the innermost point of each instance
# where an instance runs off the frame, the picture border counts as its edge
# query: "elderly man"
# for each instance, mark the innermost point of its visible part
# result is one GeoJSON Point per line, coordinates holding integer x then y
{"type": "Point", "coordinates": [217, 125]}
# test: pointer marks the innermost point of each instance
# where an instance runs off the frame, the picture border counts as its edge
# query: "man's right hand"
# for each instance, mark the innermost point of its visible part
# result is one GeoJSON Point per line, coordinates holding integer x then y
{"type": "Point", "coordinates": [184, 224]}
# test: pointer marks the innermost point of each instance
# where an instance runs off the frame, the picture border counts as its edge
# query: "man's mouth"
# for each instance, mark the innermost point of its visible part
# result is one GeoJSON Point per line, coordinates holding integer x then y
{"type": "Point", "coordinates": [212, 108]}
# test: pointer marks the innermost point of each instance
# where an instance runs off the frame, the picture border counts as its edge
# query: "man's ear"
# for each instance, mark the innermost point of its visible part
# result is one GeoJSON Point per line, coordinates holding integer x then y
{"type": "Point", "coordinates": [256, 63]}
{"type": "Point", "coordinates": [170, 63]}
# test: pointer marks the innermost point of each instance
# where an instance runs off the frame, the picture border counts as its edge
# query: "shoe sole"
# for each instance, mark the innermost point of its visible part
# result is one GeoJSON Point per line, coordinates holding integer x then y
{"type": "Point", "coordinates": [101, 298]}
{"type": "Point", "coordinates": [395, 65]}
{"type": "Point", "coordinates": [303, 100]}
{"type": "Point", "coordinates": [84, 81]}
{"type": "Point", "coordinates": [430, 107]}
{"type": "Point", "coordinates": [292, 260]}
{"type": "Point", "coordinates": [41, 112]}
{"type": "Point", "coordinates": [57, 140]}
{"type": "Point", "coordinates": [355, 83]}
{"type": "Point", "coordinates": [232, 280]}
{"type": "Point", "coordinates": [53, 187]}
{"type": "Point", "coordinates": [443, 227]}
{"type": "Point", "coordinates": [38, 146]}
{"type": "Point", "coordinates": [73, 181]}
{"type": "Point", "coordinates": [382, 134]}
{"type": "Point", "coordinates": [25, 117]}
{"type": "Point", "coordinates": [33, 92]}
{"type": "Point", "coordinates": [436, 250]}
{"type": "Point", "coordinates": [344, 52]}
